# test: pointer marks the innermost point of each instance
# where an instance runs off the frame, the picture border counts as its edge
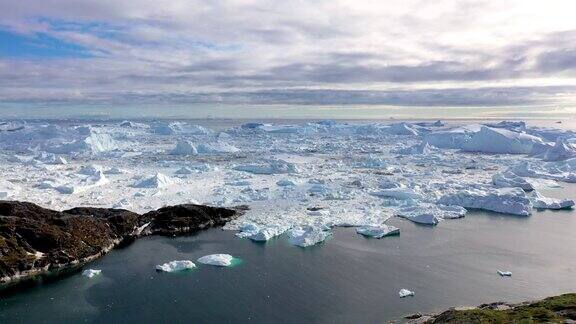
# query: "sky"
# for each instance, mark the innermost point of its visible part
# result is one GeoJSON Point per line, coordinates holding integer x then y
{"type": "Point", "coordinates": [311, 52]}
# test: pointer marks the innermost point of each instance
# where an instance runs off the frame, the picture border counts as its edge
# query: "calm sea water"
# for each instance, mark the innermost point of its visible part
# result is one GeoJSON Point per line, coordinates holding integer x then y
{"type": "Point", "coordinates": [348, 279]}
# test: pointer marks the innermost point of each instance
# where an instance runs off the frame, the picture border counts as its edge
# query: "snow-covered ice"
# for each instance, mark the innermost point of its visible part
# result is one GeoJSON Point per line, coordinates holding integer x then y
{"type": "Point", "coordinates": [308, 235]}
{"type": "Point", "coordinates": [299, 180]}
{"type": "Point", "coordinates": [507, 200]}
{"type": "Point", "coordinates": [176, 266]}
{"type": "Point", "coordinates": [541, 202]}
{"type": "Point", "coordinates": [405, 293]}
{"type": "Point", "coordinates": [220, 260]}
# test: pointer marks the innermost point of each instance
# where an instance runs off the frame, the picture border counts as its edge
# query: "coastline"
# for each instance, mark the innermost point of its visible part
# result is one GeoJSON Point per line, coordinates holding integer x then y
{"type": "Point", "coordinates": [39, 243]}
{"type": "Point", "coordinates": [555, 309]}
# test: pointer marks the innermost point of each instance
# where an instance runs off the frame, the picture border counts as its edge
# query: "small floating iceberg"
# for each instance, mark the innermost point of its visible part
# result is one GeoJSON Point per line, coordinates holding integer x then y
{"type": "Point", "coordinates": [176, 266]}
{"type": "Point", "coordinates": [504, 273]}
{"type": "Point", "coordinates": [220, 260]}
{"type": "Point", "coordinates": [308, 235]}
{"type": "Point", "coordinates": [378, 231]}
{"type": "Point", "coordinates": [405, 293]}
{"type": "Point", "coordinates": [90, 273]}
{"type": "Point", "coordinates": [541, 202]}
{"type": "Point", "coordinates": [259, 233]}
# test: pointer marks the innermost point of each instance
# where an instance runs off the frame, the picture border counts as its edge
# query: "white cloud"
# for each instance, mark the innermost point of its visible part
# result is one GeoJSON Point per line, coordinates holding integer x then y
{"type": "Point", "coordinates": [202, 46]}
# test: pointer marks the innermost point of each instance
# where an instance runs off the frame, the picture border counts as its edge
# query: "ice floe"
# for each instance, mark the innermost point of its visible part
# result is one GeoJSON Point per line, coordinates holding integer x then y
{"type": "Point", "coordinates": [541, 202]}
{"type": "Point", "coordinates": [220, 260]}
{"type": "Point", "coordinates": [305, 236]}
{"type": "Point", "coordinates": [405, 293]}
{"type": "Point", "coordinates": [176, 266]}
{"type": "Point", "coordinates": [504, 273]}
{"type": "Point", "coordinates": [378, 231]}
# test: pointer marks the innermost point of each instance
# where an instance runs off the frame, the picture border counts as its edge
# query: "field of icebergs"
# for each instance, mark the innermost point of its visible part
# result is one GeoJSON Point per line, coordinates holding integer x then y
{"type": "Point", "coordinates": [300, 179]}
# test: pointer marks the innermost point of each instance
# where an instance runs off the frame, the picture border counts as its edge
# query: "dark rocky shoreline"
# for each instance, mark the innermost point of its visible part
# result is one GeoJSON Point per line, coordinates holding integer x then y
{"type": "Point", "coordinates": [38, 243]}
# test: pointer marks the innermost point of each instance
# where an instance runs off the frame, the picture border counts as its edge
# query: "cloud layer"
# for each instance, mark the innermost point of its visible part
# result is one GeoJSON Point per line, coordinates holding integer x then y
{"type": "Point", "coordinates": [402, 52]}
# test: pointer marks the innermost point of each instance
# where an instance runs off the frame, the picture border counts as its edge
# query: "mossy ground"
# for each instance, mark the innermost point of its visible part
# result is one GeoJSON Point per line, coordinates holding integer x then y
{"type": "Point", "coordinates": [556, 309]}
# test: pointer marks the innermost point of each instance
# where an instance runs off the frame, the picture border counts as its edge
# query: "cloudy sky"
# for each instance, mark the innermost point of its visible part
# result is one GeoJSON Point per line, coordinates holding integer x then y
{"type": "Point", "coordinates": [399, 52]}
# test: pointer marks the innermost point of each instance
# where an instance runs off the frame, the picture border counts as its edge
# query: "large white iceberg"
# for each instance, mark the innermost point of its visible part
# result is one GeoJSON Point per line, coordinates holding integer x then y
{"type": "Point", "coordinates": [220, 260]}
{"type": "Point", "coordinates": [497, 140]}
{"type": "Point", "coordinates": [176, 266]}
{"type": "Point", "coordinates": [506, 200]}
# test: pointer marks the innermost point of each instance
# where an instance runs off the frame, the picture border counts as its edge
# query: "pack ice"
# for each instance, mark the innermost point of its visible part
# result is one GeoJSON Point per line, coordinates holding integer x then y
{"type": "Point", "coordinates": [300, 180]}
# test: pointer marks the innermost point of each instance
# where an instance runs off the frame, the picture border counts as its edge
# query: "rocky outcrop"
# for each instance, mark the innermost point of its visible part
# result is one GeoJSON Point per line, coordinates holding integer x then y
{"type": "Point", "coordinates": [36, 241]}
{"type": "Point", "coordinates": [556, 309]}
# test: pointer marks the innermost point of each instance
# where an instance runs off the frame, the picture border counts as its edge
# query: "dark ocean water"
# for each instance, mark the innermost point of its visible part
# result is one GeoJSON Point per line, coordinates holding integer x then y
{"type": "Point", "coordinates": [348, 279]}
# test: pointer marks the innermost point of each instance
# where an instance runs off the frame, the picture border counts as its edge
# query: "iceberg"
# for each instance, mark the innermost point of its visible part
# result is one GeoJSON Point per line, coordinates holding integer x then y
{"type": "Point", "coordinates": [220, 260]}
{"type": "Point", "coordinates": [90, 273]}
{"type": "Point", "coordinates": [259, 233]}
{"type": "Point", "coordinates": [508, 179]}
{"type": "Point", "coordinates": [422, 148]}
{"type": "Point", "coordinates": [429, 214]}
{"type": "Point", "coordinates": [405, 293]}
{"type": "Point", "coordinates": [307, 236]}
{"type": "Point", "coordinates": [501, 141]}
{"type": "Point", "coordinates": [285, 183]}
{"type": "Point", "coordinates": [269, 167]}
{"type": "Point", "coordinates": [562, 150]}
{"type": "Point", "coordinates": [541, 202]}
{"type": "Point", "coordinates": [504, 273]}
{"type": "Point", "coordinates": [93, 144]}
{"type": "Point", "coordinates": [217, 148]}
{"type": "Point", "coordinates": [176, 266]}
{"type": "Point", "coordinates": [378, 231]}
{"type": "Point", "coordinates": [184, 148]}
{"type": "Point", "coordinates": [159, 180]}
{"type": "Point", "coordinates": [506, 200]}
{"type": "Point", "coordinates": [401, 193]}
{"type": "Point", "coordinates": [402, 129]}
